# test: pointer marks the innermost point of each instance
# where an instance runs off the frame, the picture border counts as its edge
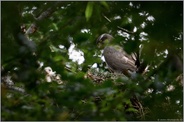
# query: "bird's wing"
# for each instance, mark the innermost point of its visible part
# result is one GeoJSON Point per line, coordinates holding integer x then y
{"type": "Point", "coordinates": [117, 61]}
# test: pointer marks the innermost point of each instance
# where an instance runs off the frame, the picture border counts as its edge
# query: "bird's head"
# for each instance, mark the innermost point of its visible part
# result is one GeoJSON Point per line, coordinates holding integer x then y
{"type": "Point", "coordinates": [104, 40]}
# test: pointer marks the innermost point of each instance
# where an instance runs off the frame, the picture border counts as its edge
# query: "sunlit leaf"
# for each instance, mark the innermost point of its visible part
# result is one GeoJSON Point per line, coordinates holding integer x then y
{"type": "Point", "coordinates": [104, 3]}
{"type": "Point", "coordinates": [89, 10]}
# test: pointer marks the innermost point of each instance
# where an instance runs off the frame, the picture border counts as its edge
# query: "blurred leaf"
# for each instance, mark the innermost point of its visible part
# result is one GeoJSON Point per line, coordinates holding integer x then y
{"type": "Point", "coordinates": [89, 10]}
{"type": "Point", "coordinates": [104, 3]}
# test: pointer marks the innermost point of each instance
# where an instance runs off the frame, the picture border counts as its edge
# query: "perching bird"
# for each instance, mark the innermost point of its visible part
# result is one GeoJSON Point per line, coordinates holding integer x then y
{"type": "Point", "coordinates": [116, 58]}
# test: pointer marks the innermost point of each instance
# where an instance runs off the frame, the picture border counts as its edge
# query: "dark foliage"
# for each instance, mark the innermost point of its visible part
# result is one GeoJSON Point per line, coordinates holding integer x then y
{"type": "Point", "coordinates": [35, 35]}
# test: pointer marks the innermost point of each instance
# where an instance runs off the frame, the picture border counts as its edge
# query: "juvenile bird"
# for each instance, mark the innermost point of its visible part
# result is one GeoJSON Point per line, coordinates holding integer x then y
{"type": "Point", "coordinates": [116, 58]}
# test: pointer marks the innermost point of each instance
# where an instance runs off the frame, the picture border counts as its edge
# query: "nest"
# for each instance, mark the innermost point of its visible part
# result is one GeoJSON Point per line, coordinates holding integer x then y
{"type": "Point", "coordinates": [100, 76]}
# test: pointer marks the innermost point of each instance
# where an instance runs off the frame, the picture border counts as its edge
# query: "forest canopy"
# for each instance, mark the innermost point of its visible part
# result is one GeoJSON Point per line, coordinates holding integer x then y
{"type": "Point", "coordinates": [52, 68]}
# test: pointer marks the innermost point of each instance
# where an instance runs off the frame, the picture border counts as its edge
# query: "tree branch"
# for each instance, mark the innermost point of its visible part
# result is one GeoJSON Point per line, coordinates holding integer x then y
{"type": "Point", "coordinates": [9, 84]}
{"type": "Point", "coordinates": [47, 13]}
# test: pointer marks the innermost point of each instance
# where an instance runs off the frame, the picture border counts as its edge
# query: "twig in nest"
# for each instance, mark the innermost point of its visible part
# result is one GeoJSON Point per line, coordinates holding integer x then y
{"type": "Point", "coordinates": [95, 78]}
{"type": "Point", "coordinates": [137, 104]}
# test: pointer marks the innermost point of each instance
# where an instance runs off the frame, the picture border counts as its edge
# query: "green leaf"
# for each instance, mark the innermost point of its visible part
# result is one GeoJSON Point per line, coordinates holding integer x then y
{"type": "Point", "coordinates": [54, 49]}
{"type": "Point", "coordinates": [104, 3]}
{"type": "Point", "coordinates": [132, 110]}
{"type": "Point", "coordinates": [89, 10]}
{"type": "Point", "coordinates": [55, 26]}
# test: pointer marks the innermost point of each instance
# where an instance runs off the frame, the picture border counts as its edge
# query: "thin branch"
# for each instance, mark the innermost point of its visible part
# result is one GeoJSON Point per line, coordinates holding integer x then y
{"type": "Point", "coordinates": [69, 69]}
{"type": "Point", "coordinates": [125, 30]}
{"type": "Point", "coordinates": [106, 18]}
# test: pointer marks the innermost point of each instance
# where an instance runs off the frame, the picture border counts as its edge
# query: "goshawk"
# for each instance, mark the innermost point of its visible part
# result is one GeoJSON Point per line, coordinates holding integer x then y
{"type": "Point", "coordinates": [116, 58]}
